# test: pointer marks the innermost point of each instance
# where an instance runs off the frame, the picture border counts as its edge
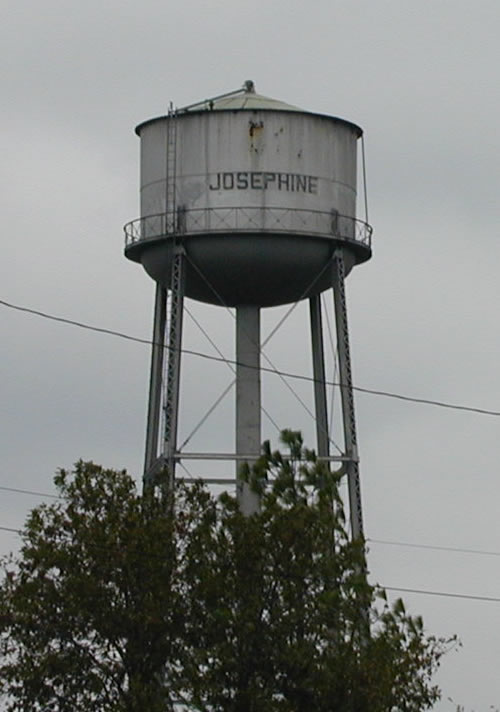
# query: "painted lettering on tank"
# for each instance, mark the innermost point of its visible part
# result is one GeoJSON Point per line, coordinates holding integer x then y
{"type": "Point", "coordinates": [264, 180]}
{"type": "Point", "coordinates": [242, 181]}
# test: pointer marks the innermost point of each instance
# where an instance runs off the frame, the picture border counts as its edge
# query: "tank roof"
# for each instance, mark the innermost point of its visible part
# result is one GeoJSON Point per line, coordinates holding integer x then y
{"type": "Point", "coordinates": [247, 98]}
{"type": "Point", "coordinates": [244, 99]}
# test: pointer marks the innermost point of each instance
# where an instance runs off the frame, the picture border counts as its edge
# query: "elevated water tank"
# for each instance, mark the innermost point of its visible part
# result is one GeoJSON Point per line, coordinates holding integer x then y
{"type": "Point", "coordinates": [258, 192]}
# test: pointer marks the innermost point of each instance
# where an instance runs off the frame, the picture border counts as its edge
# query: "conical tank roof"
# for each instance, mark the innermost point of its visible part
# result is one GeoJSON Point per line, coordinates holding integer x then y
{"type": "Point", "coordinates": [246, 98]}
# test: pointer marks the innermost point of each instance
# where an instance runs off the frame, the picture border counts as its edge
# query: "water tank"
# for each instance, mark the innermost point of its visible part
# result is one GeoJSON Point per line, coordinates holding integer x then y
{"type": "Point", "coordinates": [259, 193]}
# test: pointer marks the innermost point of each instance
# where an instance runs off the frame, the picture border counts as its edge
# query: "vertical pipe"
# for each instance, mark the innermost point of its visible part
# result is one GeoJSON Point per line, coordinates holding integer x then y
{"type": "Point", "coordinates": [347, 395]}
{"type": "Point", "coordinates": [248, 429]}
{"type": "Point", "coordinates": [318, 359]}
{"type": "Point", "coordinates": [155, 380]}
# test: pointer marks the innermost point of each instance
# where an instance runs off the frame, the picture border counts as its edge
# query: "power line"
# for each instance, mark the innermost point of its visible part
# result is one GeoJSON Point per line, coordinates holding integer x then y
{"type": "Point", "coordinates": [226, 390]}
{"type": "Point", "coordinates": [442, 593]}
{"type": "Point", "coordinates": [72, 322]}
{"type": "Point", "coordinates": [374, 541]}
{"type": "Point", "coordinates": [454, 549]}
{"type": "Point", "coordinates": [262, 353]}
{"type": "Point", "coordinates": [385, 542]}
{"type": "Point", "coordinates": [273, 332]}
{"type": "Point", "coordinates": [399, 589]}
{"type": "Point", "coordinates": [9, 529]}
{"type": "Point", "coordinates": [285, 374]}
{"type": "Point", "coordinates": [32, 492]}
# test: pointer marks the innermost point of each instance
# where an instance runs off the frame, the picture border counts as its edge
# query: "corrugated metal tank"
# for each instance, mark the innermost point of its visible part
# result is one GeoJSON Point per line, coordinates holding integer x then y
{"type": "Point", "coordinates": [264, 192]}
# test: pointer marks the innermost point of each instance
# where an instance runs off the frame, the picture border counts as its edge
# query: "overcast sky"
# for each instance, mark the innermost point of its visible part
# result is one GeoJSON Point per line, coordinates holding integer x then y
{"type": "Point", "coordinates": [421, 78]}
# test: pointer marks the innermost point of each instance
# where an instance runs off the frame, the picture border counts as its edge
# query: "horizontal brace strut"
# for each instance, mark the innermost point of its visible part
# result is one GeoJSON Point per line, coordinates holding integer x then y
{"type": "Point", "coordinates": [236, 456]}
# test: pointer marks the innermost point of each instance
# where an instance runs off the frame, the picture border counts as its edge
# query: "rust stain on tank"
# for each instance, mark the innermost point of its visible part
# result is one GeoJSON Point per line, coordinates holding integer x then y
{"type": "Point", "coordinates": [255, 128]}
{"type": "Point", "coordinates": [256, 134]}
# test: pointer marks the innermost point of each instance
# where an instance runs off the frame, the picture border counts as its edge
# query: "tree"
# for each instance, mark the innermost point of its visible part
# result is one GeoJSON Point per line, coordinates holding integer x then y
{"type": "Point", "coordinates": [125, 603]}
{"type": "Point", "coordinates": [90, 608]}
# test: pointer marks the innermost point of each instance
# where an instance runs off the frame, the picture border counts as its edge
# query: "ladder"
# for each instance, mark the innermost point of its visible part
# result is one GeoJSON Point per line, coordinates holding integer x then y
{"type": "Point", "coordinates": [170, 172]}
{"type": "Point", "coordinates": [165, 367]}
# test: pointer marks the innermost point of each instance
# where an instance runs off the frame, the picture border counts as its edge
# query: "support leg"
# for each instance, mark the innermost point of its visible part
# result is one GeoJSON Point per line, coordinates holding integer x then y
{"type": "Point", "coordinates": [155, 382]}
{"type": "Point", "coordinates": [345, 373]}
{"type": "Point", "coordinates": [248, 428]}
{"type": "Point", "coordinates": [171, 404]}
{"type": "Point", "coordinates": [318, 358]}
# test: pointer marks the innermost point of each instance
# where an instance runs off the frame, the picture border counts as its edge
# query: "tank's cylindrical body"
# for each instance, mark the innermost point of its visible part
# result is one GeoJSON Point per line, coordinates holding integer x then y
{"type": "Point", "coordinates": [262, 197]}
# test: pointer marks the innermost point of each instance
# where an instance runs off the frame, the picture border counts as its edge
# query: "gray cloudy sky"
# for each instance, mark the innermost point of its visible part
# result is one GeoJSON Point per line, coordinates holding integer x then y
{"type": "Point", "coordinates": [421, 78]}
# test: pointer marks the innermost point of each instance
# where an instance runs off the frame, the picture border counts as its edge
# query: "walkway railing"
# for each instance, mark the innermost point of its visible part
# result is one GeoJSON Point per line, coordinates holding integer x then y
{"type": "Point", "coordinates": [251, 220]}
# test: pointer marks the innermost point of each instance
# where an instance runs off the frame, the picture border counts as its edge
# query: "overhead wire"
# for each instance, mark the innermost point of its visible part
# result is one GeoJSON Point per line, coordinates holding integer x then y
{"type": "Point", "coordinates": [296, 376]}
{"type": "Point", "coordinates": [31, 492]}
{"type": "Point", "coordinates": [446, 594]}
{"type": "Point", "coordinates": [280, 323]}
{"type": "Point", "coordinates": [264, 355]}
{"type": "Point", "coordinates": [434, 547]}
{"type": "Point", "coordinates": [283, 375]}
{"type": "Point", "coordinates": [398, 589]}
{"type": "Point", "coordinates": [10, 529]}
{"type": "Point", "coordinates": [370, 540]}
{"type": "Point", "coordinates": [216, 403]}
{"type": "Point", "coordinates": [294, 305]}
{"type": "Point", "coordinates": [221, 397]}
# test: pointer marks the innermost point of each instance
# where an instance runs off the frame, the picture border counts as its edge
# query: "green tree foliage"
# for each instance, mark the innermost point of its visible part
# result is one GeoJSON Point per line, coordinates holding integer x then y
{"type": "Point", "coordinates": [124, 603]}
{"type": "Point", "coordinates": [89, 609]}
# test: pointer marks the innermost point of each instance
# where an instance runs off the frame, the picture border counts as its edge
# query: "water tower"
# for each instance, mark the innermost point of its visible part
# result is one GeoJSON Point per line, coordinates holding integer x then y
{"type": "Point", "coordinates": [247, 202]}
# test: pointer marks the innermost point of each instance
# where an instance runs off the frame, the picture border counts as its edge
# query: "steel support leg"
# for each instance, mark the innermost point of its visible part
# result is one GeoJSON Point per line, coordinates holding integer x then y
{"type": "Point", "coordinates": [171, 402]}
{"type": "Point", "coordinates": [155, 381]}
{"type": "Point", "coordinates": [248, 429]}
{"type": "Point", "coordinates": [318, 359]}
{"type": "Point", "coordinates": [345, 373]}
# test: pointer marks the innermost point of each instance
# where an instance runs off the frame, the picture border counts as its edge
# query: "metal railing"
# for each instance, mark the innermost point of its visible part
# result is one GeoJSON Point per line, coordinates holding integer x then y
{"type": "Point", "coordinates": [249, 219]}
